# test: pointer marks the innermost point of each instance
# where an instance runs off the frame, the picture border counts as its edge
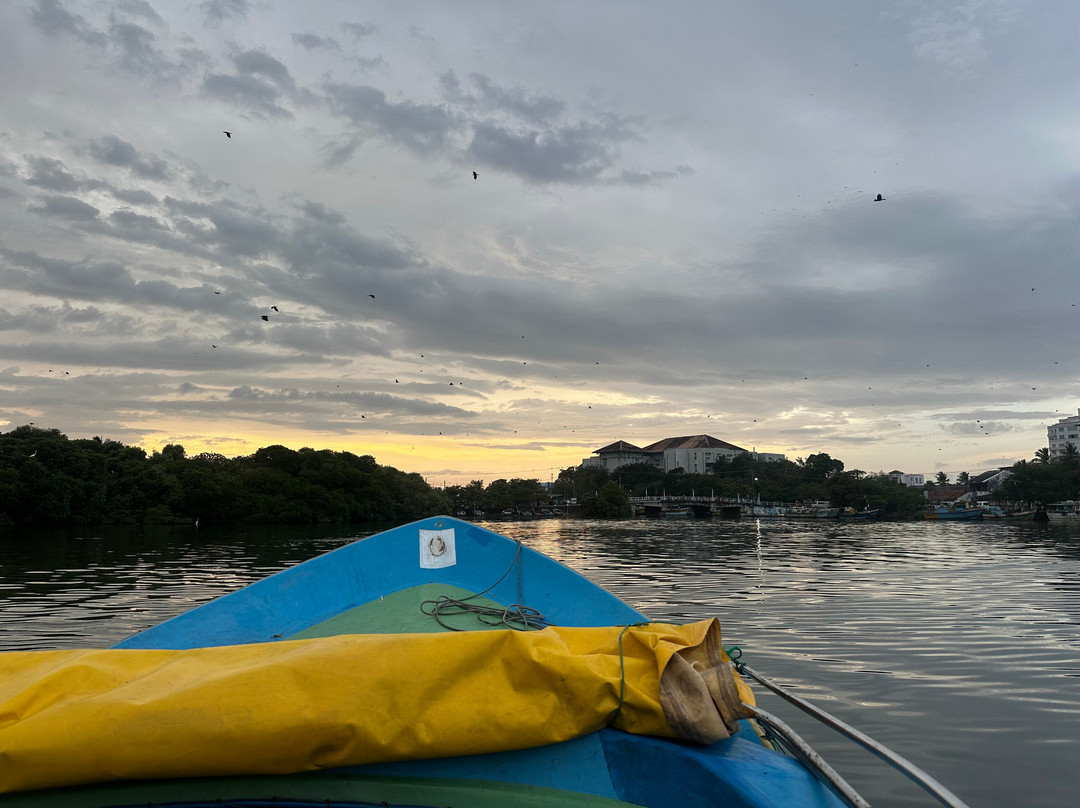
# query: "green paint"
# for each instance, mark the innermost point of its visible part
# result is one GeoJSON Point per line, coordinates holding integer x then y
{"type": "Point", "coordinates": [399, 613]}
{"type": "Point", "coordinates": [316, 787]}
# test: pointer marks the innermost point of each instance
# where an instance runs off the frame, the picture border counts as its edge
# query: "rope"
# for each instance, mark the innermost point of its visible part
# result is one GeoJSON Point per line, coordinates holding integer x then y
{"type": "Point", "coordinates": [735, 654]}
{"type": "Point", "coordinates": [622, 673]}
{"type": "Point", "coordinates": [516, 616]}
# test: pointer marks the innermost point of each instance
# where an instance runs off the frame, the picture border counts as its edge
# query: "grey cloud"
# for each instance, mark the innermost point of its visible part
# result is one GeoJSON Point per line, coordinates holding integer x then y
{"type": "Point", "coordinates": [366, 63]}
{"type": "Point", "coordinates": [359, 30]}
{"type": "Point", "coordinates": [338, 152]}
{"type": "Point", "coordinates": [139, 8]}
{"type": "Point", "coordinates": [416, 32]}
{"type": "Point", "coordinates": [425, 128]}
{"type": "Point", "coordinates": [336, 339]}
{"type": "Point", "coordinates": [288, 398]}
{"type": "Point", "coordinates": [310, 41]}
{"type": "Point", "coordinates": [151, 167]}
{"type": "Point", "coordinates": [94, 281]}
{"type": "Point", "coordinates": [51, 17]}
{"type": "Point", "coordinates": [317, 210]}
{"type": "Point", "coordinates": [67, 207]}
{"type": "Point", "coordinates": [85, 321]}
{"type": "Point", "coordinates": [52, 175]}
{"type": "Point", "coordinates": [111, 150]}
{"type": "Point", "coordinates": [260, 83]}
{"type": "Point", "coordinates": [951, 38]}
{"type": "Point", "coordinates": [261, 63]}
{"type": "Point", "coordinates": [335, 250]}
{"type": "Point", "coordinates": [1012, 415]}
{"type": "Point", "coordinates": [130, 219]}
{"type": "Point", "coordinates": [249, 92]}
{"type": "Point", "coordinates": [575, 154]}
{"type": "Point", "coordinates": [627, 177]}
{"type": "Point", "coordinates": [489, 96]}
{"type": "Point", "coordinates": [218, 11]}
{"type": "Point", "coordinates": [231, 228]}
{"type": "Point", "coordinates": [136, 45]}
{"type": "Point", "coordinates": [88, 280]}
{"type": "Point", "coordinates": [981, 428]}
{"type": "Point", "coordinates": [166, 353]}
{"type": "Point", "coordinates": [137, 51]}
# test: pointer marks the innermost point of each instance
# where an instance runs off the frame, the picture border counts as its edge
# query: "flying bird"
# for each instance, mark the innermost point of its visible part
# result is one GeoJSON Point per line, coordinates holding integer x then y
{"type": "Point", "coordinates": [475, 175]}
{"type": "Point", "coordinates": [265, 317]}
{"type": "Point", "coordinates": [879, 198]}
{"type": "Point", "coordinates": [372, 296]}
{"type": "Point", "coordinates": [227, 134]}
{"type": "Point", "coordinates": [275, 308]}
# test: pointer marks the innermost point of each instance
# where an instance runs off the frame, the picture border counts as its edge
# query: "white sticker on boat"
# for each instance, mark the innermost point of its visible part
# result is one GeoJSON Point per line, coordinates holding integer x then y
{"type": "Point", "coordinates": [437, 549]}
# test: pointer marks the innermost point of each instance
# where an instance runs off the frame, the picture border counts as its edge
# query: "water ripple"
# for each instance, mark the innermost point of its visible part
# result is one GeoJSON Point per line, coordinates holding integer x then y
{"type": "Point", "coordinates": [957, 645]}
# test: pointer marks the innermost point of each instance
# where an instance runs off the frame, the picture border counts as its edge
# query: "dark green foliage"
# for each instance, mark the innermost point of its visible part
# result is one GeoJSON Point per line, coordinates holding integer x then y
{"type": "Point", "coordinates": [47, 479]}
{"type": "Point", "coordinates": [1046, 481]}
{"type": "Point", "coordinates": [818, 477]}
{"type": "Point", "coordinates": [611, 502]}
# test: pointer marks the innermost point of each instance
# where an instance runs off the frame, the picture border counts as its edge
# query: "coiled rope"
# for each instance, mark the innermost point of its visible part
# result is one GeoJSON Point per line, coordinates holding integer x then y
{"type": "Point", "coordinates": [517, 616]}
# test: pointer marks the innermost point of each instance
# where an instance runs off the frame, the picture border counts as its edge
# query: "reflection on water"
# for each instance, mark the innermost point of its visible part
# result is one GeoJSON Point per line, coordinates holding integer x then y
{"type": "Point", "coordinates": [956, 644]}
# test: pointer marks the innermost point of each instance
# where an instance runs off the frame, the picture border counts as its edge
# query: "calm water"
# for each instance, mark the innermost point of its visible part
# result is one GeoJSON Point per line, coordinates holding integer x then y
{"type": "Point", "coordinates": [958, 645]}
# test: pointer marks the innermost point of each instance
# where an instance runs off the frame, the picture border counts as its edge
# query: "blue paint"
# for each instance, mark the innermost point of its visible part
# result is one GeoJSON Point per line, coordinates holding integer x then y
{"type": "Point", "coordinates": [578, 765]}
{"type": "Point", "coordinates": [357, 573]}
{"type": "Point", "coordinates": [738, 772]}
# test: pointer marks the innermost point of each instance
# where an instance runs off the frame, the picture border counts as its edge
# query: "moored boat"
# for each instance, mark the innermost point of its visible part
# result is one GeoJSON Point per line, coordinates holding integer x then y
{"type": "Point", "coordinates": [677, 512]}
{"type": "Point", "coordinates": [768, 511]}
{"type": "Point", "coordinates": [865, 513]}
{"type": "Point", "coordinates": [813, 510]}
{"type": "Point", "coordinates": [955, 510]}
{"type": "Point", "coordinates": [437, 663]}
{"type": "Point", "coordinates": [997, 513]}
{"type": "Point", "coordinates": [1070, 509]}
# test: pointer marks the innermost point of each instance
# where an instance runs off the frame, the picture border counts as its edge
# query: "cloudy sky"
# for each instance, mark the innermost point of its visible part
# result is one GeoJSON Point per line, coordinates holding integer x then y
{"type": "Point", "coordinates": [672, 230]}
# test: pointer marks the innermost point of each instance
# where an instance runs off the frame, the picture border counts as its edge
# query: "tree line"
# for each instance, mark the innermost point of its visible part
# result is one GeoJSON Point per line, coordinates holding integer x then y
{"type": "Point", "coordinates": [48, 479]}
{"type": "Point", "coordinates": [1044, 479]}
{"type": "Point", "coordinates": [818, 477]}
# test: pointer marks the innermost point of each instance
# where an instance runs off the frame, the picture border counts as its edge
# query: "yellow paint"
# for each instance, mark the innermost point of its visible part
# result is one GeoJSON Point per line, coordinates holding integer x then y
{"type": "Point", "coordinates": [301, 705]}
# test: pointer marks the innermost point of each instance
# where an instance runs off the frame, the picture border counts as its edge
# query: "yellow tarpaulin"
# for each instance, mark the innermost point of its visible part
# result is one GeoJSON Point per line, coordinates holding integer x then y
{"type": "Point", "coordinates": [84, 716]}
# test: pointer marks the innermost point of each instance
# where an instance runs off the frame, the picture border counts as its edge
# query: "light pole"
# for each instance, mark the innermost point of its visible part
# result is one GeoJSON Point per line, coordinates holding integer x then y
{"type": "Point", "coordinates": [757, 496]}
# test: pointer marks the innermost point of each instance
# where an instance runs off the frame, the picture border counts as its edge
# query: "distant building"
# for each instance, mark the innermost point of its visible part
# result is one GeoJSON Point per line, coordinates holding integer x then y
{"type": "Point", "coordinates": [1064, 432]}
{"type": "Point", "coordinates": [945, 493]}
{"type": "Point", "coordinates": [910, 480]}
{"type": "Point", "coordinates": [694, 454]}
{"type": "Point", "coordinates": [989, 480]}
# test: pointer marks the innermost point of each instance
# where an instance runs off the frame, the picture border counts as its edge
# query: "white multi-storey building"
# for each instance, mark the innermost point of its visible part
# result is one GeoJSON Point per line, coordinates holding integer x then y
{"type": "Point", "coordinates": [1065, 431]}
{"type": "Point", "coordinates": [910, 480]}
{"type": "Point", "coordinates": [694, 454]}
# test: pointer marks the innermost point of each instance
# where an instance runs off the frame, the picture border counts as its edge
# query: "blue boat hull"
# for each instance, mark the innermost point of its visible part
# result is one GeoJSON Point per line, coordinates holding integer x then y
{"type": "Point", "coordinates": [606, 765]}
